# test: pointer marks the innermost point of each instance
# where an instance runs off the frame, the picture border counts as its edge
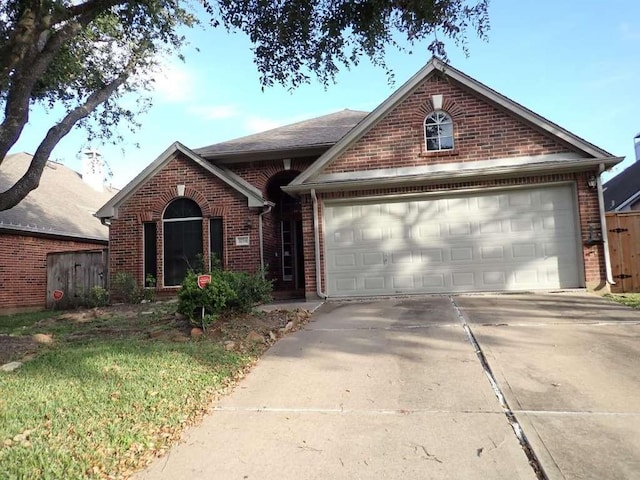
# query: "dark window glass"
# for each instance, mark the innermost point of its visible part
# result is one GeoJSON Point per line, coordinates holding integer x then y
{"type": "Point", "coordinates": [150, 251]}
{"type": "Point", "coordinates": [216, 241]}
{"type": "Point", "coordinates": [182, 250]}
{"type": "Point", "coordinates": [182, 208]}
{"type": "Point", "coordinates": [182, 238]}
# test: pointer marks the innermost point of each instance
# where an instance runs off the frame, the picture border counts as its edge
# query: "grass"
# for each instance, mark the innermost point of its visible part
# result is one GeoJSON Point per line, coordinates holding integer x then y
{"type": "Point", "coordinates": [98, 405]}
{"type": "Point", "coordinates": [12, 324]}
{"type": "Point", "coordinates": [629, 299]}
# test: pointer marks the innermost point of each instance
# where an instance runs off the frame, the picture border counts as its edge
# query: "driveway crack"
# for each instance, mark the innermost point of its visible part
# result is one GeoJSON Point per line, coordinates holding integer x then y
{"type": "Point", "coordinates": [511, 417]}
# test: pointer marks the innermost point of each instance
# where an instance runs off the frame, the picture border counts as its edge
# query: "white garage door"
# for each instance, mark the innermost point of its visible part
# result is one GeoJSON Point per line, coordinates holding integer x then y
{"type": "Point", "coordinates": [519, 239]}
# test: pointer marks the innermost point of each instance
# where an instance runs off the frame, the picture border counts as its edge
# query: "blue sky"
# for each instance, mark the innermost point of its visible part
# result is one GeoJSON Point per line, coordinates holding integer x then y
{"type": "Point", "coordinates": [574, 62]}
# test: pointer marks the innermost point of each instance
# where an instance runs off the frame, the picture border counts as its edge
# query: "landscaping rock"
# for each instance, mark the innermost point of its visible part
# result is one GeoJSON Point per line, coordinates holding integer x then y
{"type": "Point", "coordinates": [254, 337]}
{"type": "Point", "coordinates": [196, 332]}
{"type": "Point", "coordinates": [229, 345]}
{"type": "Point", "coordinates": [288, 327]}
{"type": "Point", "coordinates": [43, 338]}
{"type": "Point", "coordinates": [11, 366]}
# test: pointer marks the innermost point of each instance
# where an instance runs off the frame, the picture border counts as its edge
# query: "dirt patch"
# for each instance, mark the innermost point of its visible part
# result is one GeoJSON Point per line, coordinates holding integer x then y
{"type": "Point", "coordinates": [16, 348]}
{"type": "Point", "coordinates": [158, 321]}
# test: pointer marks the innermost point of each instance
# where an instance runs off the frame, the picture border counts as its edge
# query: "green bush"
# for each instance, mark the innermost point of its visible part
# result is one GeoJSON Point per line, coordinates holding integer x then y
{"type": "Point", "coordinates": [98, 297]}
{"type": "Point", "coordinates": [124, 288]}
{"type": "Point", "coordinates": [250, 290]}
{"type": "Point", "coordinates": [236, 291]}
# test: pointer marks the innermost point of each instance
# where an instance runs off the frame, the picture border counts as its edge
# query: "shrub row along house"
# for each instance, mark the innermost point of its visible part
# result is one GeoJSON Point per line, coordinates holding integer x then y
{"type": "Point", "coordinates": [55, 217]}
{"type": "Point", "coordinates": [447, 186]}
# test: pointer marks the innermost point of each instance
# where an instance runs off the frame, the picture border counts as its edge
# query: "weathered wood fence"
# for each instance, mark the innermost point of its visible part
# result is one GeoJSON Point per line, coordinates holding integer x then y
{"type": "Point", "coordinates": [623, 230]}
{"type": "Point", "coordinates": [75, 274]}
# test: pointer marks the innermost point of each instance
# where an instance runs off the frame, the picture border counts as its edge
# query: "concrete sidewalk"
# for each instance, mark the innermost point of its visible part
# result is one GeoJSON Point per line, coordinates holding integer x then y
{"type": "Point", "coordinates": [381, 389]}
{"type": "Point", "coordinates": [394, 389]}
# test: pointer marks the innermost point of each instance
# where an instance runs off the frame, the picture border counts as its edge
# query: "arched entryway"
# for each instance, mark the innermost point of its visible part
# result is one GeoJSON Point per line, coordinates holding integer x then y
{"type": "Point", "coordinates": [284, 247]}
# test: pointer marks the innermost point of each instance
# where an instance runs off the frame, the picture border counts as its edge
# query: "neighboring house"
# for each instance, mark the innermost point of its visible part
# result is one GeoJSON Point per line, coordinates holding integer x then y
{"type": "Point", "coordinates": [55, 217]}
{"type": "Point", "coordinates": [447, 186]}
{"type": "Point", "coordinates": [622, 192]}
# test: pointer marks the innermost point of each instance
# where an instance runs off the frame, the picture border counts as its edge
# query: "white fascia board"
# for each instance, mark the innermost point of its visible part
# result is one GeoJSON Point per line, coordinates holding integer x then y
{"type": "Point", "coordinates": [110, 209]}
{"type": "Point", "coordinates": [448, 175]}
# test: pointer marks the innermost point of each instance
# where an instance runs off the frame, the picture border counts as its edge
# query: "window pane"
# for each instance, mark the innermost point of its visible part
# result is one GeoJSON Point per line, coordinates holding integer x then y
{"type": "Point", "coordinates": [182, 208]}
{"type": "Point", "coordinates": [430, 120]}
{"type": "Point", "coordinates": [216, 241]}
{"type": "Point", "coordinates": [431, 130]}
{"type": "Point", "coordinates": [182, 250]}
{"type": "Point", "coordinates": [446, 143]}
{"type": "Point", "coordinates": [150, 252]}
{"type": "Point", "coordinates": [432, 144]}
{"type": "Point", "coordinates": [446, 129]}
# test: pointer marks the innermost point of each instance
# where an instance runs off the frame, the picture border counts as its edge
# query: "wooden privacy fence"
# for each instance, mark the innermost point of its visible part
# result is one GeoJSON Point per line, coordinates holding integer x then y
{"type": "Point", "coordinates": [623, 229]}
{"type": "Point", "coordinates": [75, 274]}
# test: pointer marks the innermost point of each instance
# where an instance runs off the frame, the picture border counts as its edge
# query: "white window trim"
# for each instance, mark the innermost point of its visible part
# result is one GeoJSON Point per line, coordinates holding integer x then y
{"type": "Point", "coordinates": [424, 130]}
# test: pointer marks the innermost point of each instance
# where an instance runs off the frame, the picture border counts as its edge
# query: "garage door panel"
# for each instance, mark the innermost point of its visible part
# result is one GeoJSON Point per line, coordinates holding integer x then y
{"type": "Point", "coordinates": [500, 241]}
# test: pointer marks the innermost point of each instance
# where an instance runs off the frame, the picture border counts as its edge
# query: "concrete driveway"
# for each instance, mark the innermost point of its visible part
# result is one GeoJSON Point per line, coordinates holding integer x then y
{"type": "Point", "coordinates": [395, 389]}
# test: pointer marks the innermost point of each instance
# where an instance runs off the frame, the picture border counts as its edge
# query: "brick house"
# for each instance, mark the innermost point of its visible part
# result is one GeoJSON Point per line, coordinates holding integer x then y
{"type": "Point", "coordinates": [56, 217]}
{"type": "Point", "coordinates": [447, 186]}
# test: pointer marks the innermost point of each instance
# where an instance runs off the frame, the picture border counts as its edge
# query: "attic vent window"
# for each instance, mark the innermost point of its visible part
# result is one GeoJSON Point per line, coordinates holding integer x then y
{"type": "Point", "coordinates": [438, 131]}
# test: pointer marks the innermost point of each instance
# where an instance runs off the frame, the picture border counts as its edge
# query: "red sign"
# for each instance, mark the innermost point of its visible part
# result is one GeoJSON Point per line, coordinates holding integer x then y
{"type": "Point", "coordinates": [204, 280]}
{"type": "Point", "coordinates": [57, 295]}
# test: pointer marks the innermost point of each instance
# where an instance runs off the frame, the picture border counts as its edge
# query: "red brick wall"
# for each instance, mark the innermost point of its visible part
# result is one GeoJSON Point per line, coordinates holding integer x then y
{"type": "Point", "coordinates": [259, 174]}
{"type": "Point", "coordinates": [215, 198]}
{"type": "Point", "coordinates": [588, 214]}
{"type": "Point", "coordinates": [481, 132]}
{"type": "Point", "coordinates": [23, 268]}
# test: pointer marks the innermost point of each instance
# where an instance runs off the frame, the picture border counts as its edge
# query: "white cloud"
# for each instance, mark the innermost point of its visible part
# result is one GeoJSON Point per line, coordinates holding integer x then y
{"type": "Point", "coordinates": [213, 112]}
{"type": "Point", "coordinates": [174, 83]}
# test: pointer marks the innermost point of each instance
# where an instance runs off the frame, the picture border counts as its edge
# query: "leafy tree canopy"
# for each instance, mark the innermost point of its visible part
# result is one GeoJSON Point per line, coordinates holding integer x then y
{"type": "Point", "coordinates": [85, 55]}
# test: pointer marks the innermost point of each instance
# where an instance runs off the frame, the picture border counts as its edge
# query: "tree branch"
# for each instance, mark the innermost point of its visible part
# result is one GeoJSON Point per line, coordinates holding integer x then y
{"type": "Point", "coordinates": [31, 179]}
{"type": "Point", "coordinates": [27, 73]}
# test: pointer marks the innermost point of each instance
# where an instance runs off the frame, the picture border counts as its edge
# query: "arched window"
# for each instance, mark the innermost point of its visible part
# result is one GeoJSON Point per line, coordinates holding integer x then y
{"type": "Point", "coordinates": [182, 233]}
{"type": "Point", "coordinates": [438, 131]}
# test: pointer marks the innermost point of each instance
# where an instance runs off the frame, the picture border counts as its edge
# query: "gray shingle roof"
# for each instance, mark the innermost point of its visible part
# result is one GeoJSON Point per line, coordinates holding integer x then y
{"type": "Point", "coordinates": [62, 205]}
{"type": "Point", "coordinates": [622, 187]}
{"type": "Point", "coordinates": [314, 133]}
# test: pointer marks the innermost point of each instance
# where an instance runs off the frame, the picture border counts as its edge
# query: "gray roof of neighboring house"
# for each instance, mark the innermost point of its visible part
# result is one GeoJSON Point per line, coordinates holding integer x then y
{"type": "Point", "coordinates": [316, 133]}
{"type": "Point", "coordinates": [622, 187]}
{"type": "Point", "coordinates": [63, 205]}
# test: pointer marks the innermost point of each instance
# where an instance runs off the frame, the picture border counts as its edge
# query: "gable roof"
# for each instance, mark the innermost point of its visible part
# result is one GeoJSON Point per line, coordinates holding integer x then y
{"type": "Point", "coordinates": [306, 137]}
{"type": "Point", "coordinates": [253, 195]}
{"type": "Point", "coordinates": [490, 95]}
{"type": "Point", "coordinates": [623, 188]}
{"type": "Point", "coordinates": [62, 205]}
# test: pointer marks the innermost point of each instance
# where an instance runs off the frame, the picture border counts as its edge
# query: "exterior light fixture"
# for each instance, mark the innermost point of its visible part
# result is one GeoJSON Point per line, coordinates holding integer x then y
{"type": "Point", "coordinates": [592, 181]}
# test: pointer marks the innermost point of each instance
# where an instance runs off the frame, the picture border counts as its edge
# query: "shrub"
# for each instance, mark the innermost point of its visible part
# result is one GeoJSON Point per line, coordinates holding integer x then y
{"type": "Point", "coordinates": [227, 291]}
{"type": "Point", "coordinates": [251, 289]}
{"type": "Point", "coordinates": [125, 288]}
{"type": "Point", "coordinates": [98, 297]}
{"type": "Point", "coordinates": [213, 297]}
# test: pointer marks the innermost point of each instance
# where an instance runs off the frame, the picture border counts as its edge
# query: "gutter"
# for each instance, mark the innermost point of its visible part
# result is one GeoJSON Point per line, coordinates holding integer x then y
{"type": "Point", "coordinates": [316, 238]}
{"type": "Point", "coordinates": [603, 227]}
{"type": "Point", "coordinates": [260, 236]}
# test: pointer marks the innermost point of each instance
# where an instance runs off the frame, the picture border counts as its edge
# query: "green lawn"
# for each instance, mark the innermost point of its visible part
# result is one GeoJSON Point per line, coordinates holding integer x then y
{"type": "Point", "coordinates": [105, 397]}
{"type": "Point", "coordinates": [629, 299]}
